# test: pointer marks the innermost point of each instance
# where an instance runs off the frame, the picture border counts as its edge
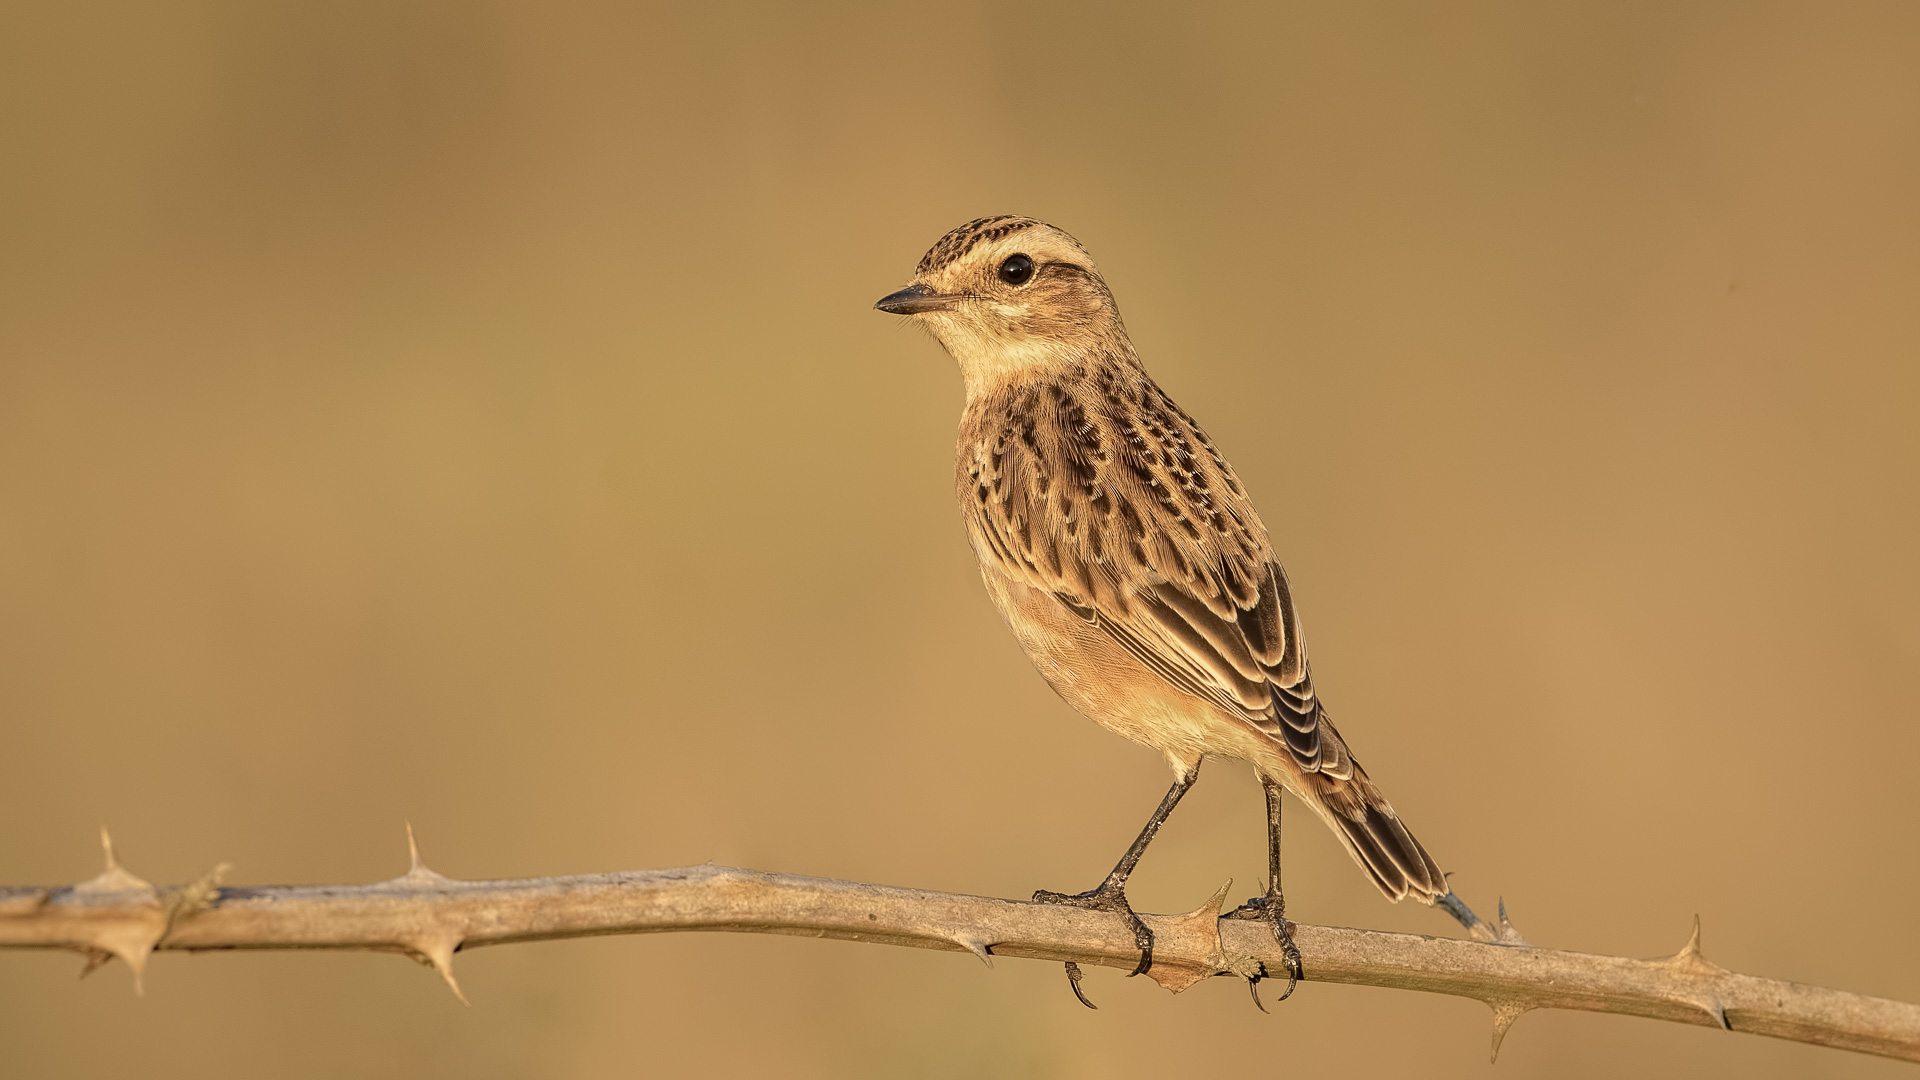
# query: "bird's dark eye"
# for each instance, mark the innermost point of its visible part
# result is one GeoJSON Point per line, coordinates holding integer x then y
{"type": "Point", "coordinates": [1017, 270]}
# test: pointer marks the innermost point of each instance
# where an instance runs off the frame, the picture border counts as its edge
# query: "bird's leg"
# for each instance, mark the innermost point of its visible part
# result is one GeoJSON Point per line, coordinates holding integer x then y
{"type": "Point", "coordinates": [1272, 908]}
{"type": "Point", "coordinates": [1112, 893]}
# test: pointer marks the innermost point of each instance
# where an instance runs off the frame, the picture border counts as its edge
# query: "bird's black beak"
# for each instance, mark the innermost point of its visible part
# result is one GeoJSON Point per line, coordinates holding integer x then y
{"type": "Point", "coordinates": [914, 300]}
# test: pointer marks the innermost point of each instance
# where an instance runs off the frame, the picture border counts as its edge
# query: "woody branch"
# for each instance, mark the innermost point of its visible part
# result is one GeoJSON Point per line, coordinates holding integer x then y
{"type": "Point", "coordinates": [430, 917]}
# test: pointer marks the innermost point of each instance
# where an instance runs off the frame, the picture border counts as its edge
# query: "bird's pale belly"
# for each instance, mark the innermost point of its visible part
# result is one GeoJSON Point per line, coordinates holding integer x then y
{"type": "Point", "coordinates": [1104, 682]}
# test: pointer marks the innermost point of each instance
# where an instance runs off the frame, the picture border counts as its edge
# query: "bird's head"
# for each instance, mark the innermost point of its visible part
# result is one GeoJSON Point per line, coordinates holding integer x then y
{"type": "Point", "coordinates": [1008, 296]}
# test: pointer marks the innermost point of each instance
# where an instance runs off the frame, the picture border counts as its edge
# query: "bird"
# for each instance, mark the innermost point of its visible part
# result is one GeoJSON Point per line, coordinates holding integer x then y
{"type": "Point", "coordinates": [1125, 555]}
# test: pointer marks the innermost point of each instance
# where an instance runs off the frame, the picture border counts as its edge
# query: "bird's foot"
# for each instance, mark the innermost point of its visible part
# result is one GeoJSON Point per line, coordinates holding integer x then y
{"type": "Point", "coordinates": [1272, 910]}
{"type": "Point", "coordinates": [1109, 897]}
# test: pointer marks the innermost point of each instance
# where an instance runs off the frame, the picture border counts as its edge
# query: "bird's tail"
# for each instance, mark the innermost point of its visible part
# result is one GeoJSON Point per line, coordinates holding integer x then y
{"type": "Point", "coordinates": [1374, 836]}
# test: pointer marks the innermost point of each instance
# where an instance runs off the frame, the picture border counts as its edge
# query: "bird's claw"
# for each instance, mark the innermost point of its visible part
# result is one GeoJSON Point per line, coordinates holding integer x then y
{"type": "Point", "coordinates": [1253, 985]}
{"type": "Point", "coordinates": [1271, 909]}
{"type": "Point", "coordinates": [1112, 898]}
{"type": "Point", "coordinates": [1073, 980]}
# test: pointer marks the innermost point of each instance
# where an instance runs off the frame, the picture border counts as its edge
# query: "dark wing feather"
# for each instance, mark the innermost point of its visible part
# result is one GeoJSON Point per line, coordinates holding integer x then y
{"type": "Point", "coordinates": [1104, 493]}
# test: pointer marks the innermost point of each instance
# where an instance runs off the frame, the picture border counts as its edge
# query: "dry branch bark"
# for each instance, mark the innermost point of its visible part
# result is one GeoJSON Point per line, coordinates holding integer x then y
{"type": "Point", "coordinates": [430, 917]}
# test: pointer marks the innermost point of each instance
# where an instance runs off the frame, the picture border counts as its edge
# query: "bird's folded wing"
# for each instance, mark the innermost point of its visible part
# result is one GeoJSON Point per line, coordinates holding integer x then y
{"type": "Point", "coordinates": [1165, 563]}
{"type": "Point", "coordinates": [1169, 630]}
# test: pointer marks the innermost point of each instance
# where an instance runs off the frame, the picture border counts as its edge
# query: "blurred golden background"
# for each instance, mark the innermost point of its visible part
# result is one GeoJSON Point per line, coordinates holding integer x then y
{"type": "Point", "coordinates": [472, 414]}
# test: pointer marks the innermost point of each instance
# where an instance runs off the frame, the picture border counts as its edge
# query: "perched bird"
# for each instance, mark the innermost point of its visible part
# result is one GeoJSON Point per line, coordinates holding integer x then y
{"type": "Point", "coordinates": [1127, 558]}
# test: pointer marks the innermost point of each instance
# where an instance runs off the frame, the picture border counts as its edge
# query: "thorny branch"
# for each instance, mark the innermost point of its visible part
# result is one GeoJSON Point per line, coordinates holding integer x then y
{"type": "Point", "coordinates": [430, 917]}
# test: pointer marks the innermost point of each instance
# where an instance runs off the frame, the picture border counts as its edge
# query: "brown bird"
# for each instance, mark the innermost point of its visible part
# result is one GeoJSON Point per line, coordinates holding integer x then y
{"type": "Point", "coordinates": [1127, 558]}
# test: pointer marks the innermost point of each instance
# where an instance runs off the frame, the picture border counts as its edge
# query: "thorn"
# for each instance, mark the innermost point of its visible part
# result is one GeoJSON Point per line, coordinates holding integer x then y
{"type": "Point", "coordinates": [96, 959]}
{"type": "Point", "coordinates": [1505, 1012]}
{"type": "Point", "coordinates": [1692, 947]}
{"type": "Point", "coordinates": [1691, 961]}
{"type": "Point", "coordinates": [439, 953]}
{"type": "Point", "coordinates": [191, 899]}
{"type": "Point", "coordinates": [418, 872]}
{"type": "Point", "coordinates": [115, 878]}
{"type": "Point", "coordinates": [1180, 960]}
{"type": "Point", "coordinates": [136, 959]}
{"type": "Point", "coordinates": [1073, 980]}
{"type": "Point", "coordinates": [131, 938]}
{"type": "Point", "coordinates": [1508, 935]}
{"type": "Point", "coordinates": [977, 948]}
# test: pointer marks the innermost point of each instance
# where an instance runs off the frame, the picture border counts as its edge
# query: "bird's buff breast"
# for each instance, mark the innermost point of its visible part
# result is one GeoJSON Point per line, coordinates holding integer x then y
{"type": "Point", "coordinates": [1103, 682]}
